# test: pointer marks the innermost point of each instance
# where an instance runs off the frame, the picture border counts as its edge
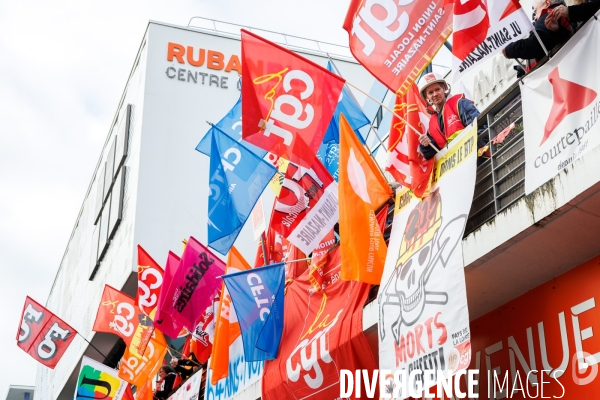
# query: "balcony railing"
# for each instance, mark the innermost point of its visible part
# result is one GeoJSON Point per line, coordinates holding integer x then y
{"type": "Point", "coordinates": [500, 180]}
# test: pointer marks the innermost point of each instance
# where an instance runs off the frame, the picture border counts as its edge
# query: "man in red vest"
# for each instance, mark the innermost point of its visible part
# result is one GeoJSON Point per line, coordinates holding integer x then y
{"type": "Point", "coordinates": [450, 114]}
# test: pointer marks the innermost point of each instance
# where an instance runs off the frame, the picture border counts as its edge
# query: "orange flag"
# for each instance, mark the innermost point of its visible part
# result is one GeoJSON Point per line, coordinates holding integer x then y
{"type": "Point", "coordinates": [144, 392]}
{"type": "Point", "coordinates": [139, 370]}
{"type": "Point", "coordinates": [227, 328]}
{"type": "Point", "coordinates": [362, 190]}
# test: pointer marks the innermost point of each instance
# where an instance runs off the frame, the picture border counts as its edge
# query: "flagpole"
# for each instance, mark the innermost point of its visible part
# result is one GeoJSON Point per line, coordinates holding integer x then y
{"type": "Point", "coordinates": [270, 265]}
{"type": "Point", "coordinates": [371, 127]}
{"type": "Point", "coordinates": [94, 347]}
{"type": "Point", "coordinates": [393, 112]}
{"type": "Point", "coordinates": [181, 354]}
{"type": "Point", "coordinates": [263, 239]}
{"type": "Point", "coordinates": [351, 94]}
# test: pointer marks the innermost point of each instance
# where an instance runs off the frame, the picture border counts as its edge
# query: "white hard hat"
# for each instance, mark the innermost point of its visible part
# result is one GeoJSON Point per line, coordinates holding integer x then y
{"type": "Point", "coordinates": [429, 79]}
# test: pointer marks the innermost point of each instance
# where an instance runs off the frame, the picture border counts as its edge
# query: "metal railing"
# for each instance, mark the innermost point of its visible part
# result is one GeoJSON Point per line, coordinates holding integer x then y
{"type": "Point", "coordinates": [500, 180]}
{"type": "Point", "coordinates": [290, 41]}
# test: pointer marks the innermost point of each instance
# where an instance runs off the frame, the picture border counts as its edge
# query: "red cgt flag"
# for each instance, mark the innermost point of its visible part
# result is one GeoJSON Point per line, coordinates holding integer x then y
{"type": "Point", "coordinates": [150, 279]}
{"type": "Point", "coordinates": [395, 41]}
{"type": "Point", "coordinates": [287, 100]}
{"type": "Point", "coordinates": [404, 161]}
{"type": "Point", "coordinates": [42, 334]}
{"type": "Point", "coordinates": [118, 314]}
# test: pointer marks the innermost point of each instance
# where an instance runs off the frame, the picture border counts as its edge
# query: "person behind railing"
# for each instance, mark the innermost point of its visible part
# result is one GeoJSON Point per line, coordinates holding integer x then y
{"type": "Point", "coordinates": [530, 48]}
{"type": "Point", "coordinates": [576, 14]}
{"type": "Point", "coordinates": [450, 114]}
{"type": "Point", "coordinates": [167, 379]}
{"type": "Point", "coordinates": [185, 367]}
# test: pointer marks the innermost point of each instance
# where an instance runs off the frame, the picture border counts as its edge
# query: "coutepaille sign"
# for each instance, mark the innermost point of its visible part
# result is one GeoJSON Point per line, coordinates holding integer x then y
{"type": "Point", "coordinates": [200, 66]}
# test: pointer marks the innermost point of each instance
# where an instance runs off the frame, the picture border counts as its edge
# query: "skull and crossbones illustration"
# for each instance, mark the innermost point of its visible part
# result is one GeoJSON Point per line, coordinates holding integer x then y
{"type": "Point", "coordinates": [426, 243]}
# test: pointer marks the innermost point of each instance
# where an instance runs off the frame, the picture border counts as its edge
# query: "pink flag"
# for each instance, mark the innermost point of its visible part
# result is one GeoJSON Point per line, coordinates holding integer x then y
{"type": "Point", "coordinates": [194, 285]}
{"type": "Point", "coordinates": [162, 319]}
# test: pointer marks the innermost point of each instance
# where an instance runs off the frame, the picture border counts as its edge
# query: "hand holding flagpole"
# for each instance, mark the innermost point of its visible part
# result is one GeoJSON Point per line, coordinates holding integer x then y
{"type": "Point", "coordinates": [393, 112]}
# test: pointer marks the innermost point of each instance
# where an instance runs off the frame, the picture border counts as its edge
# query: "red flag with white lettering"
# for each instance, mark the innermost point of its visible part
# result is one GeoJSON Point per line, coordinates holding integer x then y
{"type": "Point", "coordinates": [42, 334]}
{"type": "Point", "coordinates": [306, 209]}
{"type": "Point", "coordinates": [118, 314]}
{"type": "Point", "coordinates": [325, 322]}
{"type": "Point", "coordinates": [150, 278]}
{"type": "Point", "coordinates": [287, 100]}
{"type": "Point", "coordinates": [404, 161]}
{"type": "Point", "coordinates": [395, 41]}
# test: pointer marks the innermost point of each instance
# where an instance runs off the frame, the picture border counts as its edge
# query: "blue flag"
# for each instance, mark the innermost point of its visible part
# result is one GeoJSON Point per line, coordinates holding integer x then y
{"type": "Point", "coordinates": [237, 179]}
{"type": "Point", "coordinates": [231, 124]}
{"type": "Point", "coordinates": [352, 111]}
{"type": "Point", "coordinates": [329, 155]}
{"type": "Point", "coordinates": [257, 296]}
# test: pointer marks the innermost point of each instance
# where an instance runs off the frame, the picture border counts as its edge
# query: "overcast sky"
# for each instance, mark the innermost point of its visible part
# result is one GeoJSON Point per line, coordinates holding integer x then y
{"type": "Point", "coordinates": [63, 67]}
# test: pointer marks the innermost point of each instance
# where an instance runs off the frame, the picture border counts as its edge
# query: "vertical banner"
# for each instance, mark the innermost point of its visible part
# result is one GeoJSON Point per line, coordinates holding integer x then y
{"type": "Point", "coordinates": [561, 108]}
{"type": "Point", "coordinates": [323, 334]}
{"type": "Point", "coordinates": [396, 40]}
{"type": "Point", "coordinates": [97, 381]}
{"type": "Point", "coordinates": [484, 30]}
{"type": "Point", "coordinates": [423, 313]}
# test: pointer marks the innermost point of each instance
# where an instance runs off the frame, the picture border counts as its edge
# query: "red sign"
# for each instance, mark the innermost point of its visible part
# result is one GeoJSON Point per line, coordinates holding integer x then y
{"type": "Point", "coordinates": [550, 336]}
{"type": "Point", "coordinates": [287, 100]}
{"type": "Point", "coordinates": [42, 334]}
{"type": "Point", "coordinates": [322, 334]}
{"type": "Point", "coordinates": [396, 40]}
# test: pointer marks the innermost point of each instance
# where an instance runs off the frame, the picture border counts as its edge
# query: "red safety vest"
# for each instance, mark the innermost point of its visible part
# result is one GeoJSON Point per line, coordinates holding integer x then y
{"type": "Point", "coordinates": [452, 123]}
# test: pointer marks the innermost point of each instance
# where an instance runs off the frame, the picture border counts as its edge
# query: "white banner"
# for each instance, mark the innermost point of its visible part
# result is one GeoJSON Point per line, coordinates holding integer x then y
{"type": "Point", "coordinates": [96, 380]}
{"type": "Point", "coordinates": [190, 389]}
{"type": "Point", "coordinates": [561, 107]}
{"type": "Point", "coordinates": [423, 314]}
{"type": "Point", "coordinates": [507, 25]}
{"type": "Point", "coordinates": [242, 374]}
